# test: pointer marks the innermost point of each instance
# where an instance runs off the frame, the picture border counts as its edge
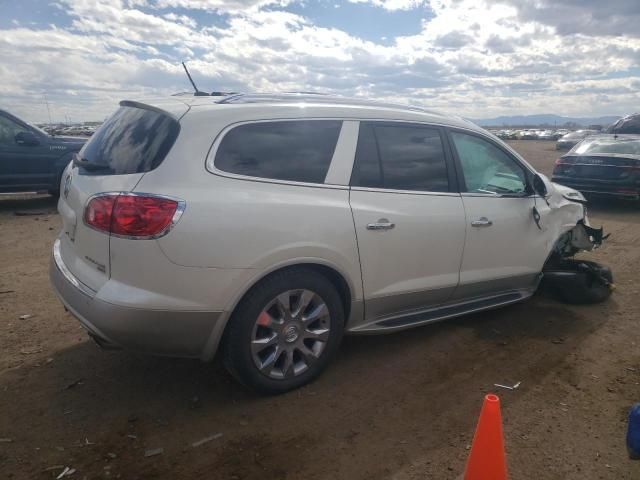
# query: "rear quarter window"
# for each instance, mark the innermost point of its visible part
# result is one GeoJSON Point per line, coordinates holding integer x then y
{"type": "Point", "coordinates": [132, 140]}
{"type": "Point", "coordinates": [299, 151]}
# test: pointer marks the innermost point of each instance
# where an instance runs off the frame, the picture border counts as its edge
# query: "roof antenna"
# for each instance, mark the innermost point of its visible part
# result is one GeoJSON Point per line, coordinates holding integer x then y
{"type": "Point", "coordinates": [196, 92]}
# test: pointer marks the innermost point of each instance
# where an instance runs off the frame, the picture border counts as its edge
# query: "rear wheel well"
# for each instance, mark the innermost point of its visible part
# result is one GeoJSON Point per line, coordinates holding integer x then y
{"type": "Point", "coordinates": [336, 279]}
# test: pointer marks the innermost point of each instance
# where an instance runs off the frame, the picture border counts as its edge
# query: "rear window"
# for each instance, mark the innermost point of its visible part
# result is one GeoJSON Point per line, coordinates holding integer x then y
{"type": "Point", "coordinates": [299, 151]}
{"type": "Point", "coordinates": [132, 140]}
{"type": "Point", "coordinates": [620, 146]}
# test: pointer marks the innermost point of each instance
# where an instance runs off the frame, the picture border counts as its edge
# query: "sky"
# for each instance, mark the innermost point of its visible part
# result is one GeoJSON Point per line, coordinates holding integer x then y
{"type": "Point", "coordinates": [475, 58]}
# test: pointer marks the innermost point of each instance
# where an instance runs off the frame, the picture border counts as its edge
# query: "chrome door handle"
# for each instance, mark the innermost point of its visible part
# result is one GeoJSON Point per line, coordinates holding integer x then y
{"type": "Point", "coordinates": [382, 224]}
{"type": "Point", "coordinates": [482, 222]}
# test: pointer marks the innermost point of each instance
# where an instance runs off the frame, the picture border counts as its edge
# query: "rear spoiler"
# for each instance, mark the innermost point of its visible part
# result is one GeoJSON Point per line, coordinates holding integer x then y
{"type": "Point", "coordinates": [144, 106]}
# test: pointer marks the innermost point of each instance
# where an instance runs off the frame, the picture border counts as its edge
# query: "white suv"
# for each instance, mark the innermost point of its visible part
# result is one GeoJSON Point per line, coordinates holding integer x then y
{"type": "Point", "coordinates": [269, 225]}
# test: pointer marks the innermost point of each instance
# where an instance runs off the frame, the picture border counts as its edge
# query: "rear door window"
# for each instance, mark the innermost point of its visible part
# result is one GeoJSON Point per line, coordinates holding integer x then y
{"type": "Point", "coordinates": [402, 157]}
{"type": "Point", "coordinates": [299, 151]}
{"type": "Point", "coordinates": [132, 140]}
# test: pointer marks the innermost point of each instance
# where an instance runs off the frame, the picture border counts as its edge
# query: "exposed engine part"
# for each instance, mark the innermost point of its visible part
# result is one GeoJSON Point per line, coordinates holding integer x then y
{"type": "Point", "coordinates": [581, 237]}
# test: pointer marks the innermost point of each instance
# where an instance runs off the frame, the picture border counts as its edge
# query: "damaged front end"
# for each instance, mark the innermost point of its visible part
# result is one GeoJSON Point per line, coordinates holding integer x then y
{"type": "Point", "coordinates": [569, 279]}
{"type": "Point", "coordinates": [581, 237]}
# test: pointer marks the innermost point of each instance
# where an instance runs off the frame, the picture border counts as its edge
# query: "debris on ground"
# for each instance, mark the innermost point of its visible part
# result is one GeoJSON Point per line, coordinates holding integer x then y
{"type": "Point", "coordinates": [53, 467]}
{"type": "Point", "coordinates": [512, 387]}
{"type": "Point", "coordinates": [6, 440]}
{"type": "Point", "coordinates": [27, 213]}
{"type": "Point", "coordinates": [30, 352]}
{"type": "Point", "coordinates": [112, 455]}
{"type": "Point", "coordinates": [26, 316]}
{"type": "Point", "coordinates": [153, 452]}
{"type": "Point", "coordinates": [74, 384]}
{"type": "Point", "coordinates": [206, 440]}
{"type": "Point", "coordinates": [67, 472]}
{"type": "Point", "coordinates": [133, 437]}
{"type": "Point", "coordinates": [2, 292]}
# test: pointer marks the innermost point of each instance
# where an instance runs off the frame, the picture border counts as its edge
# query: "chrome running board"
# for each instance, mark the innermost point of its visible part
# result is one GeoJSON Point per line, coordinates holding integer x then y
{"type": "Point", "coordinates": [442, 312]}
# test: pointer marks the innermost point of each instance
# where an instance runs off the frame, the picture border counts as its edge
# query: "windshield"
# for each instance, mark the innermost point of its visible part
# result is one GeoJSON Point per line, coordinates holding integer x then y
{"type": "Point", "coordinates": [613, 145]}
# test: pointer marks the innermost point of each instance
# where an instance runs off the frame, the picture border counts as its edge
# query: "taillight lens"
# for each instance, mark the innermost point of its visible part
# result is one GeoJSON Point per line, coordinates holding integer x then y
{"type": "Point", "coordinates": [138, 216]}
{"type": "Point", "coordinates": [98, 212]}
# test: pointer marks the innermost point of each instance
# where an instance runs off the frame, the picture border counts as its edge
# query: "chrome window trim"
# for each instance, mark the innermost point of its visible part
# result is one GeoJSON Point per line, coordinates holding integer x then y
{"type": "Point", "coordinates": [405, 192]}
{"type": "Point", "coordinates": [66, 273]}
{"type": "Point", "coordinates": [210, 159]}
{"type": "Point", "coordinates": [497, 195]}
{"type": "Point", "coordinates": [182, 205]}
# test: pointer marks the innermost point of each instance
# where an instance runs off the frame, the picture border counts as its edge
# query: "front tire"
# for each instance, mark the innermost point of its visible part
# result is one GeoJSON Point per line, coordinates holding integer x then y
{"type": "Point", "coordinates": [284, 332]}
{"type": "Point", "coordinates": [587, 282]}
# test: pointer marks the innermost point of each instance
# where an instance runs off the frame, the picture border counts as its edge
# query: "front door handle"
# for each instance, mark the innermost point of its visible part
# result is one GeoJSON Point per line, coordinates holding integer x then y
{"type": "Point", "coordinates": [382, 224]}
{"type": "Point", "coordinates": [482, 222]}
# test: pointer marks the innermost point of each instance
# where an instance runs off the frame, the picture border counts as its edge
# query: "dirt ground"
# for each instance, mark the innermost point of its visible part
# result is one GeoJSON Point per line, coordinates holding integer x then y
{"type": "Point", "coordinates": [400, 406]}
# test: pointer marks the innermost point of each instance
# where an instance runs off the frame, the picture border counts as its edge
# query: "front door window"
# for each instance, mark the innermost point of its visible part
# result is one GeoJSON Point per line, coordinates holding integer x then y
{"type": "Point", "coordinates": [486, 168]}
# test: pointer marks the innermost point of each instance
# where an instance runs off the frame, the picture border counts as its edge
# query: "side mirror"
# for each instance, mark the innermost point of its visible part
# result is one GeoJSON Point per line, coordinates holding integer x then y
{"type": "Point", "coordinates": [26, 138]}
{"type": "Point", "coordinates": [539, 186]}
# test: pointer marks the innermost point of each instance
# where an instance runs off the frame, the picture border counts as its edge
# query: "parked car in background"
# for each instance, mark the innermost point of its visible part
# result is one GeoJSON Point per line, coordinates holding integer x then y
{"type": "Point", "coordinates": [269, 230]}
{"type": "Point", "coordinates": [626, 125]}
{"type": "Point", "coordinates": [571, 139]}
{"type": "Point", "coordinates": [30, 158]}
{"type": "Point", "coordinates": [545, 135]}
{"type": "Point", "coordinates": [602, 164]}
{"type": "Point", "coordinates": [527, 135]}
{"type": "Point", "coordinates": [557, 134]}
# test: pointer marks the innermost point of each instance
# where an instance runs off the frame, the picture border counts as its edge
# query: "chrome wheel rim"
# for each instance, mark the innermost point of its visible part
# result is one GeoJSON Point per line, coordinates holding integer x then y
{"type": "Point", "coordinates": [290, 334]}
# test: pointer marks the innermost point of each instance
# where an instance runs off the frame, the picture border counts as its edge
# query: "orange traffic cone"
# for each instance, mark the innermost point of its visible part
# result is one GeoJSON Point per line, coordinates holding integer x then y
{"type": "Point", "coordinates": [487, 460]}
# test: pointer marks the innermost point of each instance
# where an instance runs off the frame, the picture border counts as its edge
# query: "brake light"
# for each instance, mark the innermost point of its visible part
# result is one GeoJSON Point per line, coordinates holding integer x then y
{"type": "Point", "coordinates": [137, 216]}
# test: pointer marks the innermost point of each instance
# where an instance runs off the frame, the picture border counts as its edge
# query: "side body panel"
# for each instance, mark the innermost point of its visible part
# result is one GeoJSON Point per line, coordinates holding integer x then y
{"type": "Point", "coordinates": [506, 255]}
{"type": "Point", "coordinates": [416, 263]}
{"type": "Point", "coordinates": [246, 225]}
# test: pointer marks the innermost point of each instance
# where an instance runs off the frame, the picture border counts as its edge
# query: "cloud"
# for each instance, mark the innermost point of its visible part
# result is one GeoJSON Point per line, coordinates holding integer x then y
{"type": "Point", "coordinates": [394, 5]}
{"type": "Point", "coordinates": [453, 40]}
{"type": "Point", "coordinates": [593, 18]}
{"type": "Point", "coordinates": [473, 57]}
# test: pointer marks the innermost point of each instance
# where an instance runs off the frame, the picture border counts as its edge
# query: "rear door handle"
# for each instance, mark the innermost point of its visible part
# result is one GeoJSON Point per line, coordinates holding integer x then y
{"type": "Point", "coordinates": [382, 224]}
{"type": "Point", "coordinates": [482, 222]}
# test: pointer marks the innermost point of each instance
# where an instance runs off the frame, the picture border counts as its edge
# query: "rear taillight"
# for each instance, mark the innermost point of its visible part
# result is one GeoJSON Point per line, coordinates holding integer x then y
{"type": "Point", "coordinates": [136, 216]}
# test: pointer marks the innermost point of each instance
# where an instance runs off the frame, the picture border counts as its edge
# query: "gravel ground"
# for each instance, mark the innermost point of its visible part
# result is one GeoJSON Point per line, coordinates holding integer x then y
{"type": "Point", "coordinates": [399, 406]}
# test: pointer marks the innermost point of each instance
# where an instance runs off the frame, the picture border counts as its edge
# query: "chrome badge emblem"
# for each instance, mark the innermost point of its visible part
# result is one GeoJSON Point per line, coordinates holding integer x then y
{"type": "Point", "coordinates": [67, 186]}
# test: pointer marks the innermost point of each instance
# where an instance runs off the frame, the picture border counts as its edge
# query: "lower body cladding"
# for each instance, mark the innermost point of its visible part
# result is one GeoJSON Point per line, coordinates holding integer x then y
{"type": "Point", "coordinates": [160, 332]}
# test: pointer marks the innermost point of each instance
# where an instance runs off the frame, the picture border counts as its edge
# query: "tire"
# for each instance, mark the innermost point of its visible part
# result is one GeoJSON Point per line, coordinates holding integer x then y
{"type": "Point", "coordinates": [588, 282]}
{"type": "Point", "coordinates": [301, 348]}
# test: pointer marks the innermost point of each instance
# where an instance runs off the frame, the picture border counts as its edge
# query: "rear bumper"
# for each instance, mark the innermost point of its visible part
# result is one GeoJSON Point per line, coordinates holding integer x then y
{"type": "Point", "coordinates": [158, 332]}
{"type": "Point", "coordinates": [626, 189]}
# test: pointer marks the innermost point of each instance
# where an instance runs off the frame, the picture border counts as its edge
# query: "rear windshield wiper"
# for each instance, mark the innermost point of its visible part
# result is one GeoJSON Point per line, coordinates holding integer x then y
{"type": "Point", "coordinates": [87, 165]}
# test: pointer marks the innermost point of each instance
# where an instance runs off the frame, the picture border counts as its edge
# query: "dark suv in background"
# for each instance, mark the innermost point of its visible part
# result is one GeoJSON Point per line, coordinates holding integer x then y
{"type": "Point", "coordinates": [30, 159]}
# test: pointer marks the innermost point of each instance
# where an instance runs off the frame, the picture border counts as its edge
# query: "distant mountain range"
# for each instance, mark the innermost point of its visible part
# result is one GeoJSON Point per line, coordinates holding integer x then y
{"type": "Point", "coordinates": [543, 119]}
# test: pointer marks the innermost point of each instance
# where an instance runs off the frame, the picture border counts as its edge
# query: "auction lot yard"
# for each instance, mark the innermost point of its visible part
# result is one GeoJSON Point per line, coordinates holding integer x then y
{"type": "Point", "coordinates": [399, 406]}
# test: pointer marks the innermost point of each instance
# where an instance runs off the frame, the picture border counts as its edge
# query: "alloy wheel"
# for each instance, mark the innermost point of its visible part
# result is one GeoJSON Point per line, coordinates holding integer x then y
{"type": "Point", "coordinates": [290, 334]}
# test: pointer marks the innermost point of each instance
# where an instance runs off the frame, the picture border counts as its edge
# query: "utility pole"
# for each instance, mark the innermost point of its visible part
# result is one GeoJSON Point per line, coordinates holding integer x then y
{"type": "Point", "coordinates": [47, 104]}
